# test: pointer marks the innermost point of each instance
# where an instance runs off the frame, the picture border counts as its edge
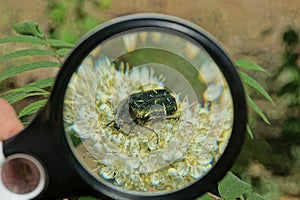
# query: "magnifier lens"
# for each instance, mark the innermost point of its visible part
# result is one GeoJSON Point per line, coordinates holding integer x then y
{"type": "Point", "coordinates": [148, 111]}
{"type": "Point", "coordinates": [20, 176]}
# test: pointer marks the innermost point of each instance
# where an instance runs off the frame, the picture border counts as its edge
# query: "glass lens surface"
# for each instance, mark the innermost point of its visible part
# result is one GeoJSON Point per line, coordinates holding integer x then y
{"type": "Point", "coordinates": [148, 111]}
{"type": "Point", "coordinates": [20, 176]}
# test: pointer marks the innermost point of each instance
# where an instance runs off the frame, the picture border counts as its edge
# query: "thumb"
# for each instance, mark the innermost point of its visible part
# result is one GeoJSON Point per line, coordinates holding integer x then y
{"type": "Point", "coordinates": [10, 125]}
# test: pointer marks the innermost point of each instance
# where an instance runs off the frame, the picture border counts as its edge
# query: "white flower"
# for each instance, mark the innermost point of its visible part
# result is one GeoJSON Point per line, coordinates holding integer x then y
{"type": "Point", "coordinates": [188, 144]}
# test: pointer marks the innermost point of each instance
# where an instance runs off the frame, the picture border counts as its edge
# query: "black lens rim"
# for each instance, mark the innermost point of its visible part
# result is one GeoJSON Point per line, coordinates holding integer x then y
{"type": "Point", "coordinates": [217, 54]}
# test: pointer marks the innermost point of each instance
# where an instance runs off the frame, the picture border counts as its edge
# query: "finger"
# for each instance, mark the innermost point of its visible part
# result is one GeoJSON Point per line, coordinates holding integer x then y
{"type": "Point", "coordinates": [10, 125]}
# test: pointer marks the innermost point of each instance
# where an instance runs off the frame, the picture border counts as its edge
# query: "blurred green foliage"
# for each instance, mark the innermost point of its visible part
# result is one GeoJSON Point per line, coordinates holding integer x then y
{"type": "Point", "coordinates": [287, 77]}
{"type": "Point", "coordinates": [70, 19]}
{"type": "Point", "coordinates": [277, 160]}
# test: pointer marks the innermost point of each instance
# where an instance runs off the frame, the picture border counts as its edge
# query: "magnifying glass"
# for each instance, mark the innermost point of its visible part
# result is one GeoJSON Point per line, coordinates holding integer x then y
{"type": "Point", "coordinates": [145, 107]}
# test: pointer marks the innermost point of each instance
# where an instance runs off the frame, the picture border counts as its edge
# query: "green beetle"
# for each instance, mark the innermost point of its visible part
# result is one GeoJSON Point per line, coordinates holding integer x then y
{"type": "Point", "coordinates": [151, 105]}
{"type": "Point", "coordinates": [144, 108]}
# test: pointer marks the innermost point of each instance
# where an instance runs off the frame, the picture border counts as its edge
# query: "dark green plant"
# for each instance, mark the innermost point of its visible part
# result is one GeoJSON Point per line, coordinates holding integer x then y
{"type": "Point", "coordinates": [283, 165]}
{"type": "Point", "coordinates": [250, 85]}
{"type": "Point", "coordinates": [69, 19]}
{"type": "Point", "coordinates": [231, 187]}
{"type": "Point", "coordinates": [52, 48]}
{"type": "Point", "coordinates": [288, 78]}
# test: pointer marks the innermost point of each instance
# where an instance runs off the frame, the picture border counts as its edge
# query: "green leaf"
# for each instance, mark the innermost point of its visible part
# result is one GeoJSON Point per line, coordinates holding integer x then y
{"type": "Point", "coordinates": [290, 88]}
{"type": "Point", "coordinates": [23, 39]}
{"type": "Point", "coordinates": [231, 187]}
{"type": "Point", "coordinates": [247, 64]}
{"type": "Point", "coordinates": [29, 28]}
{"type": "Point", "coordinates": [249, 131]}
{"type": "Point", "coordinates": [257, 110]}
{"type": "Point", "coordinates": [254, 196]}
{"type": "Point", "coordinates": [63, 51]}
{"type": "Point", "coordinates": [204, 197]}
{"type": "Point", "coordinates": [14, 97]}
{"type": "Point", "coordinates": [291, 128]}
{"type": "Point", "coordinates": [27, 67]}
{"type": "Point", "coordinates": [26, 52]}
{"type": "Point", "coordinates": [254, 84]}
{"type": "Point", "coordinates": [269, 189]}
{"type": "Point", "coordinates": [32, 108]}
{"type": "Point", "coordinates": [25, 89]}
{"type": "Point", "coordinates": [29, 90]}
{"type": "Point", "coordinates": [59, 43]}
{"type": "Point", "coordinates": [48, 82]}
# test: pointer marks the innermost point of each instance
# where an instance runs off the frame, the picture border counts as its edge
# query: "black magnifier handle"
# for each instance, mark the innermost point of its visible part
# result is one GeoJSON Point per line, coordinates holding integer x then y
{"type": "Point", "coordinates": [41, 142]}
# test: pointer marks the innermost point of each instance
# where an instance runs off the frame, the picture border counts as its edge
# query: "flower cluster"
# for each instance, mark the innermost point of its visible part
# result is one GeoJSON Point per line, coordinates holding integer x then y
{"type": "Point", "coordinates": [188, 146]}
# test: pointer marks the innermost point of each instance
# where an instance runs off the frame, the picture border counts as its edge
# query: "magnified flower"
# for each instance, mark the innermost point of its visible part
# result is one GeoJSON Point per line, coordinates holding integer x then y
{"type": "Point", "coordinates": [169, 151]}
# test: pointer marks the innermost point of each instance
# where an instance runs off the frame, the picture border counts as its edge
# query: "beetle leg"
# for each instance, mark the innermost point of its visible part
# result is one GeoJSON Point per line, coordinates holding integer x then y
{"type": "Point", "coordinates": [152, 130]}
{"type": "Point", "coordinates": [131, 128]}
{"type": "Point", "coordinates": [108, 124]}
{"type": "Point", "coordinates": [156, 137]}
{"type": "Point", "coordinates": [115, 125]}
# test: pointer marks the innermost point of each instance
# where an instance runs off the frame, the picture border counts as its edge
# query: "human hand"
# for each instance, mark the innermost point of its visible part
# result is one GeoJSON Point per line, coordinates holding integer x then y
{"type": "Point", "coordinates": [10, 125]}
